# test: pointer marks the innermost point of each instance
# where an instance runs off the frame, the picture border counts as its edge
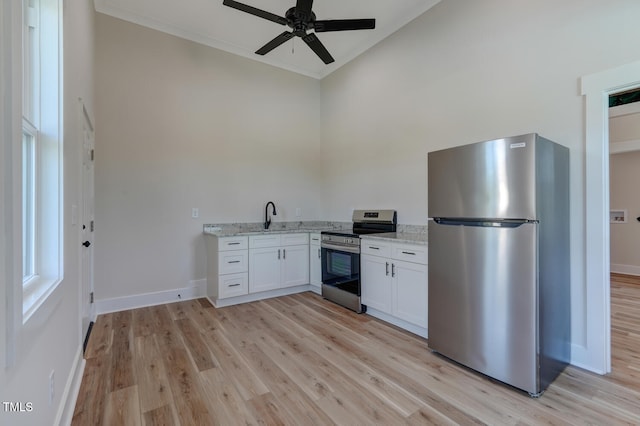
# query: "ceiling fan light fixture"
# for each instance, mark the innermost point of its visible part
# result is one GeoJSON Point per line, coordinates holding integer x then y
{"type": "Point", "coordinates": [301, 19]}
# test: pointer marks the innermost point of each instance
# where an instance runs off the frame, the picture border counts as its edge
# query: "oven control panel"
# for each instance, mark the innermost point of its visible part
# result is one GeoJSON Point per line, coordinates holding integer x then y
{"type": "Point", "coordinates": [341, 240]}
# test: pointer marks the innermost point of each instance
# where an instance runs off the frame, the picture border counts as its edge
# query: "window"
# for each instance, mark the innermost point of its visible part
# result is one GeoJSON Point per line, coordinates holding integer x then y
{"type": "Point", "coordinates": [41, 152]}
{"type": "Point", "coordinates": [29, 137]}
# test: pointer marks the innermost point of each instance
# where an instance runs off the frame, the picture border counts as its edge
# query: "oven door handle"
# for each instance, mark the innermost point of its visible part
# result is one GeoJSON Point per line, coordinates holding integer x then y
{"type": "Point", "coordinates": [348, 249]}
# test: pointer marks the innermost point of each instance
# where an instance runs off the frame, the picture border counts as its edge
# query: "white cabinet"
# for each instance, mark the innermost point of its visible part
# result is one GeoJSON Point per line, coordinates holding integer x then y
{"type": "Point", "coordinates": [409, 296]}
{"type": "Point", "coordinates": [375, 282]}
{"type": "Point", "coordinates": [315, 263]}
{"type": "Point", "coordinates": [265, 269]}
{"type": "Point", "coordinates": [278, 261]}
{"type": "Point", "coordinates": [394, 280]}
{"type": "Point", "coordinates": [227, 266]}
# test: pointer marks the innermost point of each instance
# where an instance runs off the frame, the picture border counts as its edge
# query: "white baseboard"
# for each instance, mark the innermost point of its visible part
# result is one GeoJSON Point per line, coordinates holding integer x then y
{"type": "Point", "coordinates": [625, 269]}
{"type": "Point", "coordinates": [221, 303]}
{"type": "Point", "coordinates": [581, 358]}
{"type": "Point", "coordinates": [195, 290]}
{"type": "Point", "coordinates": [71, 390]}
{"type": "Point", "coordinates": [415, 329]}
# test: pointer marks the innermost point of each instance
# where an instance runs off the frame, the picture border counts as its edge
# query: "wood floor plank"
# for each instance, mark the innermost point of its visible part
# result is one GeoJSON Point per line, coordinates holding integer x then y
{"type": "Point", "coordinates": [162, 416]}
{"type": "Point", "coordinates": [101, 337]}
{"type": "Point", "coordinates": [188, 395]}
{"type": "Point", "coordinates": [122, 351]}
{"type": "Point", "coordinates": [235, 367]}
{"type": "Point", "coordinates": [231, 407]}
{"type": "Point", "coordinates": [122, 407]}
{"type": "Point", "coordinates": [90, 409]}
{"type": "Point", "coordinates": [151, 375]}
{"type": "Point", "coordinates": [196, 345]}
{"type": "Point", "coordinates": [301, 359]}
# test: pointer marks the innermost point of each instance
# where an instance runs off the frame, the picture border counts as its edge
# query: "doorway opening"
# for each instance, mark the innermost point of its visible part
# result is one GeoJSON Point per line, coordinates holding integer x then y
{"type": "Point", "coordinates": [595, 354]}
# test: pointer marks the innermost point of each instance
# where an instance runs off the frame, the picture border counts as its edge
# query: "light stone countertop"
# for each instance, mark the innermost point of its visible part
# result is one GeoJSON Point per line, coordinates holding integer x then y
{"type": "Point", "coordinates": [410, 234]}
{"type": "Point", "coordinates": [257, 228]}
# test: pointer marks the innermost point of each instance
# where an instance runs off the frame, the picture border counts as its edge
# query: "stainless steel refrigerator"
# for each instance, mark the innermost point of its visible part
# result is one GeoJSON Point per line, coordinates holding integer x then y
{"type": "Point", "coordinates": [499, 290]}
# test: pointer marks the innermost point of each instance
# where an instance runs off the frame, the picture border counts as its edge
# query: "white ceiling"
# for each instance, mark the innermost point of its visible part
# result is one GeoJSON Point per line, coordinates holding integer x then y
{"type": "Point", "coordinates": [209, 22]}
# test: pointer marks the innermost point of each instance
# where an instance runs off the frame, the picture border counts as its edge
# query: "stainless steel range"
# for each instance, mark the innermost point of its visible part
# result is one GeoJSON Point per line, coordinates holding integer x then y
{"type": "Point", "coordinates": [341, 256]}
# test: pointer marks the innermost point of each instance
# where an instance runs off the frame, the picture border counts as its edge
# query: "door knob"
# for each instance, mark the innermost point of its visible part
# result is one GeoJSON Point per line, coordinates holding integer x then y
{"type": "Point", "coordinates": [86, 243]}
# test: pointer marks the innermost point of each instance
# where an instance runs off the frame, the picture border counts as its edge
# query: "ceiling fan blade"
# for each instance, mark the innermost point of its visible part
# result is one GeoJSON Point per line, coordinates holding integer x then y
{"type": "Point", "coordinates": [344, 25]}
{"type": "Point", "coordinates": [316, 45]}
{"type": "Point", "coordinates": [304, 6]}
{"type": "Point", "coordinates": [274, 43]}
{"type": "Point", "coordinates": [255, 11]}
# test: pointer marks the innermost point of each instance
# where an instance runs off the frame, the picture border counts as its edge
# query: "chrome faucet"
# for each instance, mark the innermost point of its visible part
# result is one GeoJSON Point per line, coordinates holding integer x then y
{"type": "Point", "coordinates": [267, 219]}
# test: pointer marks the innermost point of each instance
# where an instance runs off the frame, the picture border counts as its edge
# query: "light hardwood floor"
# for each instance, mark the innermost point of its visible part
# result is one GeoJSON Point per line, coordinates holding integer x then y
{"type": "Point", "coordinates": [302, 360]}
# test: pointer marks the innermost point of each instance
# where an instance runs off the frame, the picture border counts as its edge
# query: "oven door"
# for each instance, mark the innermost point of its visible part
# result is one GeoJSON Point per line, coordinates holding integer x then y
{"type": "Point", "coordinates": [341, 267]}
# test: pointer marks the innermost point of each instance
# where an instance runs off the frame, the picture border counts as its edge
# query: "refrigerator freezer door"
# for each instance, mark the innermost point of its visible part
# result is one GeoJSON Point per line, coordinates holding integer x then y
{"type": "Point", "coordinates": [494, 179]}
{"type": "Point", "coordinates": [482, 299]}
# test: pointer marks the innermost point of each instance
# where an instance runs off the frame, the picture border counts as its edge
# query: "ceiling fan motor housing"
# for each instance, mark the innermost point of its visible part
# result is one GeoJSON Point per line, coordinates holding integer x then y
{"type": "Point", "coordinates": [299, 21]}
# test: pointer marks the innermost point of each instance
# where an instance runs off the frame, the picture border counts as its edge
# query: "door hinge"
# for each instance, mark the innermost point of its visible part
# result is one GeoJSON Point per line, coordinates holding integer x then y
{"type": "Point", "coordinates": [91, 297]}
{"type": "Point", "coordinates": [91, 226]}
{"type": "Point", "coordinates": [92, 155]}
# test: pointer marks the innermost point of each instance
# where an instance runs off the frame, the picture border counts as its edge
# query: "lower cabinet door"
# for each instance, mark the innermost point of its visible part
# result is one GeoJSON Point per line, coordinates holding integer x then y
{"type": "Point", "coordinates": [264, 269]}
{"type": "Point", "coordinates": [376, 282]}
{"type": "Point", "coordinates": [315, 265]}
{"type": "Point", "coordinates": [295, 265]}
{"type": "Point", "coordinates": [410, 292]}
{"type": "Point", "coordinates": [233, 285]}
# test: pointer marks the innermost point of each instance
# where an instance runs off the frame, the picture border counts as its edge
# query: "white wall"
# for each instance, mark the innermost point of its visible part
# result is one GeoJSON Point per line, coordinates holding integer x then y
{"type": "Point", "coordinates": [51, 340]}
{"type": "Point", "coordinates": [181, 125]}
{"type": "Point", "coordinates": [465, 72]}
{"type": "Point", "coordinates": [624, 128]}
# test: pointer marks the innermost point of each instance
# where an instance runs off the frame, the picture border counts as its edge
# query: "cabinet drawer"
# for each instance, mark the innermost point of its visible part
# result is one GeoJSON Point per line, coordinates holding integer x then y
{"type": "Point", "coordinates": [375, 248]}
{"type": "Point", "coordinates": [294, 239]}
{"type": "Point", "coordinates": [231, 262]}
{"type": "Point", "coordinates": [233, 243]}
{"type": "Point", "coordinates": [233, 285]}
{"type": "Point", "coordinates": [259, 241]}
{"type": "Point", "coordinates": [314, 239]}
{"type": "Point", "coordinates": [410, 253]}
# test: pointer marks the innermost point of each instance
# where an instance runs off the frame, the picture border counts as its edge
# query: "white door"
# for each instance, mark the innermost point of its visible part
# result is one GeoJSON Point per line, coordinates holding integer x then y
{"type": "Point", "coordinates": [410, 292]}
{"type": "Point", "coordinates": [264, 269]}
{"type": "Point", "coordinates": [295, 265]}
{"type": "Point", "coordinates": [87, 222]}
{"type": "Point", "coordinates": [376, 282]}
{"type": "Point", "coordinates": [315, 265]}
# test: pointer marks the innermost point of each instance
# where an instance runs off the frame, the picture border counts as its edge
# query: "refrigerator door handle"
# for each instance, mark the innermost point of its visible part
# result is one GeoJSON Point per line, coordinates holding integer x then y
{"type": "Point", "coordinates": [489, 223]}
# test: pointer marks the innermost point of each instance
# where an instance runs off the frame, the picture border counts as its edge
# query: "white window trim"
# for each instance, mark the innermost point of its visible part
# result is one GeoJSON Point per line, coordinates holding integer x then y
{"type": "Point", "coordinates": [48, 120]}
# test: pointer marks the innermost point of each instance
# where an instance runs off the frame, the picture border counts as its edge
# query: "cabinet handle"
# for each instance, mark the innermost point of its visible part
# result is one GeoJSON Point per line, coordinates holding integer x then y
{"type": "Point", "coordinates": [374, 248]}
{"type": "Point", "coordinates": [387, 269]}
{"type": "Point", "coordinates": [233, 244]}
{"type": "Point", "coordinates": [393, 270]}
{"type": "Point", "coordinates": [234, 285]}
{"type": "Point", "coordinates": [233, 261]}
{"type": "Point", "coordinates": [278, 254]}
{"type": "Point", "coordinates": [318, 253]}
{"type": "Point", "coordinates": [284, 253]}
{"type": "Point", "coordinates": [408, 252]}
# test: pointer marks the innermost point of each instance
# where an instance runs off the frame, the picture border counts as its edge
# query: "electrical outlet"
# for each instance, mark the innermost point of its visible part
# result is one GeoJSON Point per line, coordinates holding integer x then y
{"type": "Point", "coordinates": [298, 212]}
{"type": "Point", "coordinates": [52, 386]}
{"type": "Point", "coordinates": [195, 213]}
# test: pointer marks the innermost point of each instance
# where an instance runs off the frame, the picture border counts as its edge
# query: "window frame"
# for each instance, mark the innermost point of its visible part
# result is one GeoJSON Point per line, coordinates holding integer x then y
{"type": "Point", "coordinates": [42, 227]}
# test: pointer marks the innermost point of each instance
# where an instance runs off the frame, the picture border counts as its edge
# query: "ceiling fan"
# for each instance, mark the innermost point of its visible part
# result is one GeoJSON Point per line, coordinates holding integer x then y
{"type": "Point", "coordinates": [300, 19]}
